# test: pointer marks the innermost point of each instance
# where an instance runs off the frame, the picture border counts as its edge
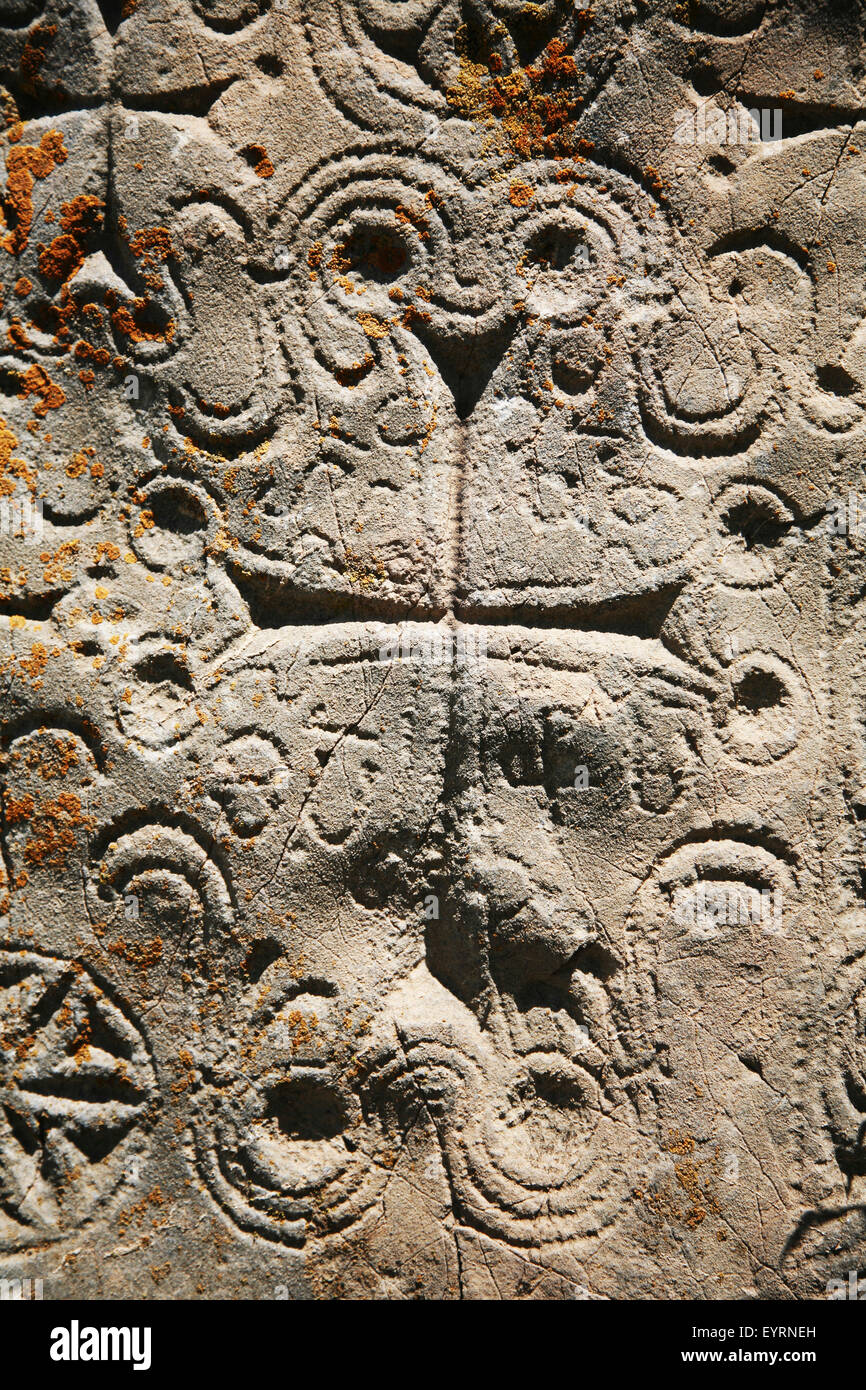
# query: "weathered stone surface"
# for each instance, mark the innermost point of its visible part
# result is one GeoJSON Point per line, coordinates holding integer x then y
{"type": "Point", "coordinates": [431, 628]}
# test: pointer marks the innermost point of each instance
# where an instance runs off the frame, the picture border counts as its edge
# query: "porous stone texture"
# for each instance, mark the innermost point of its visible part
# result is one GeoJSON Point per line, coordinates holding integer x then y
{"type": "Point", "coordinates": [433, 722]}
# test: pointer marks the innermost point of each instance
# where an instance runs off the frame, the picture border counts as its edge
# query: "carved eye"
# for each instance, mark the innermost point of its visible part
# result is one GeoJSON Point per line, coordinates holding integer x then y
{"type": "Point", "coordinates": [759, 535]}
{"type": "Point", "coordinates": [719, 890]}
{"type": "Point", "coordinates": [376, 253]}
{"type": "Point", "coordinates": [759, 519]}
{"type": "Point", "coordinates": [226, 15]}
{"type": "Point", "coordinates": [769, 713]}
{"type": "Point", "coordinates": [757, 689]}
{"type": "Point", "coordinates": [554, 247]}
{"type": "Point", "coordinates": [175, 509]}
{"type": "Point", "coordinates": [306, 1108]}
{"type": "Point", "coordinates": [178, 523]}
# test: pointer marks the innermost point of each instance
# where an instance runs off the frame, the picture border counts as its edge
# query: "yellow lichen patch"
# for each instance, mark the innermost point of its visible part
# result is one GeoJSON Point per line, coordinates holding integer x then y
{"type": "Point", "coordinates": [373, 327]}
{"type": "Point", "coordinates": [12, 468]}
{"type": "Point", "coordinates": [363, 571]}
{"type": "Point", "coordinates": [528, 112]}
{"type": "Point", "coordinates": [105, 552]}
{"type": "Point", "coordinates": [57, 565]}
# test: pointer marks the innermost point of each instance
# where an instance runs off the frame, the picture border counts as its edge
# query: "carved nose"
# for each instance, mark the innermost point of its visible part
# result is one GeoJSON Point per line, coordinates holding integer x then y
{"type": "Point", "coordinates": [466, 356]}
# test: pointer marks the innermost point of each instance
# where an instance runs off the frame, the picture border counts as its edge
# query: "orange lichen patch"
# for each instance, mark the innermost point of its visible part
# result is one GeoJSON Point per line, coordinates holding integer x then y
{"type": "Point", "coordinates": [263, 166]}
{"type": "Point", "coordinates": [139, 1212]}
{"type": "Point", "coordinates": [51, 758]}
{"type": "Point", "coordinates": [185, 1066]}
{"type": "Point", "coordinates": [23, 287]}
{"type": "Point", "coordinates": [698, 1189]}
{"type": "Point", "coordinates": [34, 53]}
{"type": "Point", "coordinates": [133, 322]}
{"type": "Point", "coordinates": [85, 352]}
{"type": "Point", "coordinates": [152, 246]}
{"type": "Point", "coordinates": [520, 194]}
{"type": "Point", "coordinates": [24, 165]}
{"type": "Point", "coordinates": [36, 382]}
{"type": "Point", "coordinates": [54, 826]}
{"type": "Point", "coordinates": [215, 408]}
{"type": "Point", "coordinates": [302, 1027]}
{"type": "Point", "coordinates": [12, 468]}
{"type": "Point", "coordinates": [82, 461]}
{"type": "Point", "coordinates": [58, 758]}
{"type": "Point", "coordinates": [679, 1143]}
{"type": "Point", "coordinates": [34, 664]}
{"type": "Point", "coordinates": [106, 552]}
{"type": "Point", "coordinates": [87, 379]}
{"type": "Point", "coordinates": [528, 111]}
{"type": "Point", "coordinates": [16, 335]}
{"type": "Point", "coordinates": [656, 181]}
{"type": "Point", "coordinates": [412, 315]}
{"type": "Point", "coordinates": [57, 566]}
{"type": "Point", "coordinates": [373, 327]}
{"type": "Point", "coordinates": [54, 319]}
{"type": "Point", "coordinates": [340, 258]}
{"type": "Point", "coordinates": [314, 259]}
{"type": "Point", "coordinates": [142, 956]}
{"type": "Point", "coordinates": [82, 1042]}
{"type": "Point", "coordinates": [411, 217]}
{"type": "Point", "coordinates": [65, 255]}
{"type": "Point", "coordinates": [351, 375]}
{"type": "Point", "coordinates": [22, 1046]}
{"type": "Point", "coordinates": [428, 435]}
{"type": "Point", "coordinates": [145, 523]}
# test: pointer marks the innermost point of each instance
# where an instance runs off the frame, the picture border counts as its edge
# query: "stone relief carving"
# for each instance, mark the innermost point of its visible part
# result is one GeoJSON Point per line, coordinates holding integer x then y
{"type": "Point", "coordinates": [431, 636]}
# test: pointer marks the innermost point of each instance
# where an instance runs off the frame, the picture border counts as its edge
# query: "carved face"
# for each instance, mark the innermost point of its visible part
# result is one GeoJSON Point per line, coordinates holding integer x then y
{"type": "Point", "coordinates": [432, 742]}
